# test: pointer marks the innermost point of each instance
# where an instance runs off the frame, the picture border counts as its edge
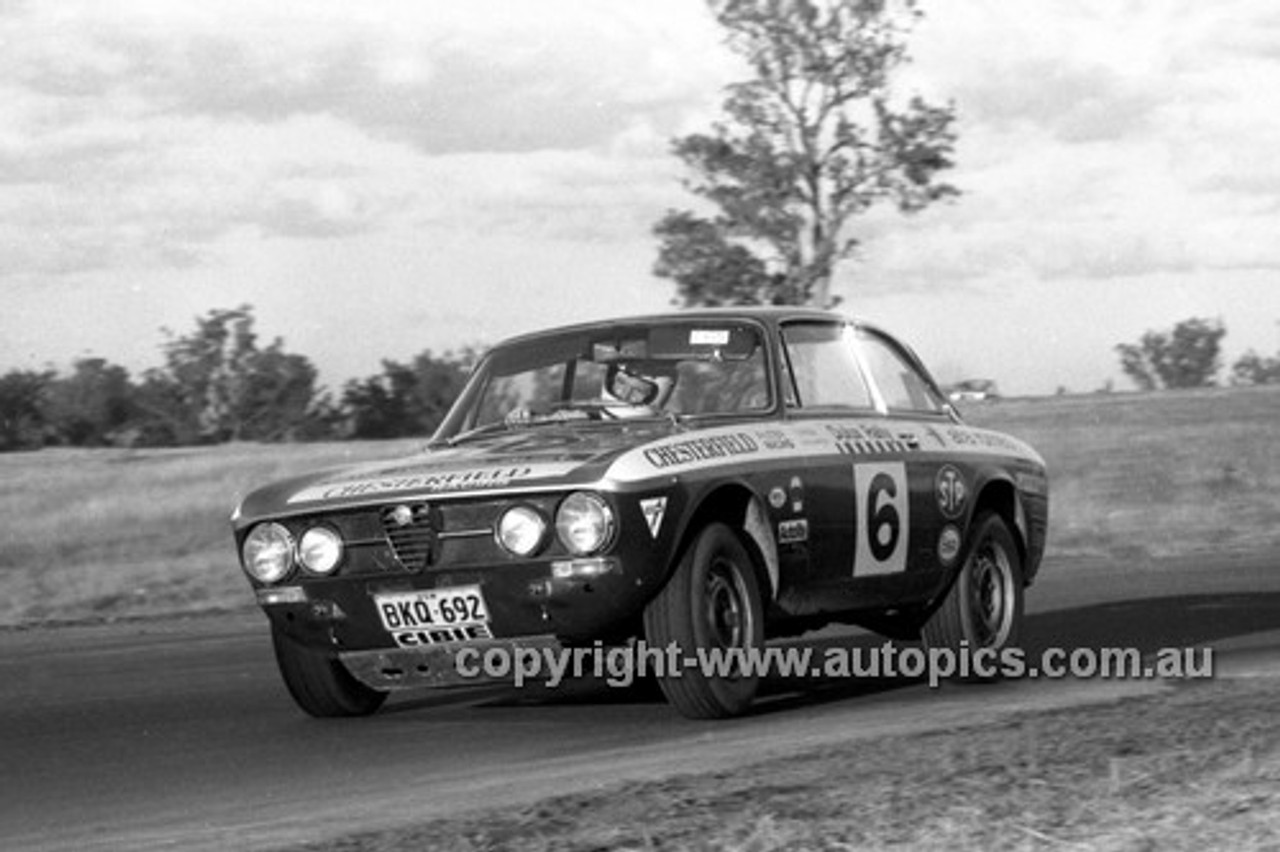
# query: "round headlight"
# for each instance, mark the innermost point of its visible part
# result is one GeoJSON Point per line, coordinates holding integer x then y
{"type": "Point", "coordinates": [320, 550]}
{"type": "Point", "coordinates": [521, 530]}
{"type": "Point", "coordinates": [267, 554]}
{"type": "Point", "coordinates": [585, 523]}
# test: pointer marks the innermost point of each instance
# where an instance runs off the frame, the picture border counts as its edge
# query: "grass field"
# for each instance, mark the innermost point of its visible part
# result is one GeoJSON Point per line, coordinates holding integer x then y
{"type": "Point", "coordinates": [1165, 772]}
{"type": "Point", "coordinates": [1142, 477]}
{"type": "Point", "coordinates": [117, 533]}
{"type": "Point", "coordinates": [112, 533]}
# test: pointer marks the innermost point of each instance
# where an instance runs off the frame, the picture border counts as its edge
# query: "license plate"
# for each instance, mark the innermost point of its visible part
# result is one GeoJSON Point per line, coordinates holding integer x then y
{"type": "Point", "coordinates": [432, 609]}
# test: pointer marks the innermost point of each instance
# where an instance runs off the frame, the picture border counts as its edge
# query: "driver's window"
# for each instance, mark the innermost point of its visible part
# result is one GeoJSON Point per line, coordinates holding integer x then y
{"type": "Point", "coordinates": [824, 367]}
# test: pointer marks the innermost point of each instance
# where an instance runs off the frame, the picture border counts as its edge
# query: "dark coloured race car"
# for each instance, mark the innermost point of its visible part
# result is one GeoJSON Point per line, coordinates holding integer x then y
{"type": "Point", "coordinates": [710, 478]}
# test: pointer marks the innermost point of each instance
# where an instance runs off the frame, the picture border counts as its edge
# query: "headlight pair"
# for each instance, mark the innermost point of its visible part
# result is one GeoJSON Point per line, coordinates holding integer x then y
{"type": "Point", "coordinates": [584, 524]}
{"type": "Point", "coordinates": [270, 552]}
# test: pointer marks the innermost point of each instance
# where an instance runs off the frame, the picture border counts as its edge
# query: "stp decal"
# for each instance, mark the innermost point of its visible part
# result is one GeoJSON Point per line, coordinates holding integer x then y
{"type": "Point", "coordinates": [951, 490]}
{"type": "Point", "coordinates": [883, 518]}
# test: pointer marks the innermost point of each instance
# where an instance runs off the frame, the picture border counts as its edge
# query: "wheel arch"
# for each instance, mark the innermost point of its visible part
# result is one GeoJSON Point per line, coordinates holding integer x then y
{"type": "Point", "coordinates": [737, 506]}
{"type": "Point", "coordinates": [999, 495]}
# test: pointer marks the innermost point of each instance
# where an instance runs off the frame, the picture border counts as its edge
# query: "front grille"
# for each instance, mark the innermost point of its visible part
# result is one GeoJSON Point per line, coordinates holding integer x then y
{"type": "Point", "coordinates": [413, 531]}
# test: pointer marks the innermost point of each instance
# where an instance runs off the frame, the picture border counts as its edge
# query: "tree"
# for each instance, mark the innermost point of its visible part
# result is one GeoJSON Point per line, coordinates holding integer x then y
{"type": "Point", "coordinates": [22, 419]}
{"type": "Point", "coordinates": [1186, 357]}
{"type": "Point", "coordinates": [406, 399]}
{"type": "Point", "coordinates": [813, 140]}
{"type": "Point", "coordinates": [219, 385]}
{"type": "Point", "coordinates": [1254, 369]}
{"type": "Point", "coordinates": [91, 406]}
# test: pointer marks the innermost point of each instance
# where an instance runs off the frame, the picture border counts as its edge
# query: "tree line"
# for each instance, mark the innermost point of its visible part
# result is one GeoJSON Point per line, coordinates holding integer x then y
{"type": "Point", "coordinates": [1190, 356]}
{"type": "Point", "coordinates": [219, 383]}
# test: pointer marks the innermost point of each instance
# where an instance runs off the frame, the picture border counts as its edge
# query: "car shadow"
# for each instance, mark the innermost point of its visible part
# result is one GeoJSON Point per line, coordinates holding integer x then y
{"type": "Point", "coordinates": [1148, 625]}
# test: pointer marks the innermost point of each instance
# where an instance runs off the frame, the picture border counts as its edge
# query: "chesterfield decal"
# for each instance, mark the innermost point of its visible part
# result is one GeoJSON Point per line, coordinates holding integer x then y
{"type": "Point", "coordinates": [459, 480]}
{"type": "Point", "coordinates": [701, 449]}
{"type": "Point", "coordinates": [733, 445]}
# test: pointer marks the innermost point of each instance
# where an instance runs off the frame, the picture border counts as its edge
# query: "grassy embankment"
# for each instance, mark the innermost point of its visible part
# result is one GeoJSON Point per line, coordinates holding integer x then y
{"type": "Point", "coordinates": [109, 533]}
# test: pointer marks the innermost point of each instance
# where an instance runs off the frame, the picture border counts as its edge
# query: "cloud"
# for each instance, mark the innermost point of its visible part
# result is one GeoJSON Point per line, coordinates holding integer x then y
{"type": "Point", "coordinates": [145, 133]}
{"type": "Point", "coordinates": [1098, 140]}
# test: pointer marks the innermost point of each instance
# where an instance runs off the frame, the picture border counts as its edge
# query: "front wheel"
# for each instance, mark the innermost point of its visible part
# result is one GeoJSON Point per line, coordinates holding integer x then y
{"type": "Point", "coordinates": [984, 608]}
{"type": "Point", "coordinates": [710, 606]}
{"type": "Point", "coordinates": [320, 683]}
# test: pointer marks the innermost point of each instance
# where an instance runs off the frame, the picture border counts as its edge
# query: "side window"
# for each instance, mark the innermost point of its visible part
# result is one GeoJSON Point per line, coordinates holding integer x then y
{"type": "Point", "coordinates": [902, 387]}
{"type": "Point", "coordinates": [824, 367]}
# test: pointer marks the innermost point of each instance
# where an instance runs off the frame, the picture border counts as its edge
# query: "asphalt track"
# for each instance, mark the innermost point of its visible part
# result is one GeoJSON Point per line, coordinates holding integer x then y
{"type": "Point", "coordinates": [178, 735]}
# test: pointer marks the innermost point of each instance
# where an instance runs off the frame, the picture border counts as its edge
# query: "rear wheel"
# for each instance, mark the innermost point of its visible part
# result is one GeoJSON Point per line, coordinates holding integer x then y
{"type": "Point", "coordinates": [985, 605]}
{"type": "Point", "coordinates": [320, 683]}
{"type": "Point", "coordinates": [712, 601]}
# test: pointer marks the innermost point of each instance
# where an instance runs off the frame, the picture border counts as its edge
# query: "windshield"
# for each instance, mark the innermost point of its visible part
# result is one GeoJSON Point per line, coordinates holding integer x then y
{"type": "Point", "coordinates": [616, 372]}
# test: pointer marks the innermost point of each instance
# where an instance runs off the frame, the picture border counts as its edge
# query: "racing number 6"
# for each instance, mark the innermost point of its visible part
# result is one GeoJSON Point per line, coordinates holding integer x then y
{"type": "Point", "coordinates": [883, 522]}
{"type": "Point", "coordinates": [882, 518]}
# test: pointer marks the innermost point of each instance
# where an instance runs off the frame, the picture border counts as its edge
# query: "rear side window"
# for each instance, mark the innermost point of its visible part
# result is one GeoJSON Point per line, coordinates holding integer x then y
{"type": "Point", "coordinates": [899, 383]}
{"type": "Point", "coordinates": [824, 367]}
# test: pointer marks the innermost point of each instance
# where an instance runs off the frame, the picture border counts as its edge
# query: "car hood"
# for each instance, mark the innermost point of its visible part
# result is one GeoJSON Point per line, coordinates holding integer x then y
{"type": "Point", "coordinates": [535, 457]}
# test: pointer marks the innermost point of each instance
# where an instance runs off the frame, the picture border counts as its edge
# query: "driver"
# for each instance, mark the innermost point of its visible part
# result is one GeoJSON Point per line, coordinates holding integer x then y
{"type": "Point", "coordinates": [642, 387]}
{"type": "Point", "coordinates": [631, 389]}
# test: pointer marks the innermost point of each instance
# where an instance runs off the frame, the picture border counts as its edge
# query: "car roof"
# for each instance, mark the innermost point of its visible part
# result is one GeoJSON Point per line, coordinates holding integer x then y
{"type": "Point", "coordinates": [767, 314]}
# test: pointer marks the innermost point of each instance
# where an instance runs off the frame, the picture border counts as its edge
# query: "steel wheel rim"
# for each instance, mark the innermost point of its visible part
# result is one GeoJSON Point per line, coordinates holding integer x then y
{"type": "Point", "coordinates": [991, 595]}
{"type": "Point", "coordinates": [727, 616]}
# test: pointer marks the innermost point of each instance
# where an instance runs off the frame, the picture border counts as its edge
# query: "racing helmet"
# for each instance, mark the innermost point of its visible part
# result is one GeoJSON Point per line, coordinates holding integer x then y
{"type": "Point", "coordinates": [640, 383]}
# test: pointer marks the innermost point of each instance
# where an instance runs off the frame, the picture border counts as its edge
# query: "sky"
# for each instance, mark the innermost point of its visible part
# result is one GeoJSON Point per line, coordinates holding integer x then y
{"type": "Point", "coordinates": [386, 177]}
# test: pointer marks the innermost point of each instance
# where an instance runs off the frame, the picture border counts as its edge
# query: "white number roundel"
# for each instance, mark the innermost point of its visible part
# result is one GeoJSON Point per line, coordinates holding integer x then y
{"type": "Point", "coordinates": [883, 518]}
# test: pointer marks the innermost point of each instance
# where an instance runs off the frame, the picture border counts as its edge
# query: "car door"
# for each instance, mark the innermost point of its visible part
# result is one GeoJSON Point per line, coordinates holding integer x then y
{"type": "Point", "coordinates": [871, 495]}
{"type": "Point", "coordinates": [915, 415]}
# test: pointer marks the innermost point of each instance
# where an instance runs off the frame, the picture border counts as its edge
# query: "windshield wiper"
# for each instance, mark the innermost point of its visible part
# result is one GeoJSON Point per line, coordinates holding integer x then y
{"type": "Point", "coordinates": [486, 429]}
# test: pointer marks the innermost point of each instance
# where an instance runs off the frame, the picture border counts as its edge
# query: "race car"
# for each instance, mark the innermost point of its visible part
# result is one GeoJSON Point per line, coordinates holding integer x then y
{"type": "Point", "coordinates": [703, 479]}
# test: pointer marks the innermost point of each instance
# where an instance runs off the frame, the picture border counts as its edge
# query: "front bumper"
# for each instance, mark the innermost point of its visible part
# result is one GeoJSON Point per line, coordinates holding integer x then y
{"type": "Point", "coordinates": [390, 669]}
{"type": "Point", "coordinates": [576, 600]}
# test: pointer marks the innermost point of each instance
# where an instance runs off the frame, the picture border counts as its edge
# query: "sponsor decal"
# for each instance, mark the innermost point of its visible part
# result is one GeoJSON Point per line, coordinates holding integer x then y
{"type": "Point", "coordinates": [951, 490]}
{"type": "Point", "coordinates": [441, 635]}
{"type": "Point", "coordinates": [654, 508]}
{"type": "Point", "coordinates": [809, 435]}
{"type": "Point", "coordinates": [457, 480]}
{"type": "Point", "coordinates": [948, 545]}
{"type": "Point", "coordinates": [701, 449]}
{"type": "Point", "coordinates": [866, 440]}
{"type": "Point", "coordinates": [1034, 482]}
{"type": "Point", "coordinates": [853, 437]}
{"type": "Point", "coordinates": [793, 532]}
{"type": "Point", "coordinates": [797, 494]}
{"type": "Point", "coordinates": [775, 439]}
{"type": "Point", "coordinates": [981, 439]}
{"type": "Point", "coordinates": [709, 337]}
{"type": "Point", "coordinates": [883, 518]}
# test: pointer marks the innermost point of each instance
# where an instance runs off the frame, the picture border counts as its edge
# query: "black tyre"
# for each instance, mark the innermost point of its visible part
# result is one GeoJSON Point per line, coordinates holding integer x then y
{"type": "Point", "coordinates": [712, 601]}
{"type": "Point", "coordinates": [985, 605]}
{"type": "Point", "coordinates": [320, 683]}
